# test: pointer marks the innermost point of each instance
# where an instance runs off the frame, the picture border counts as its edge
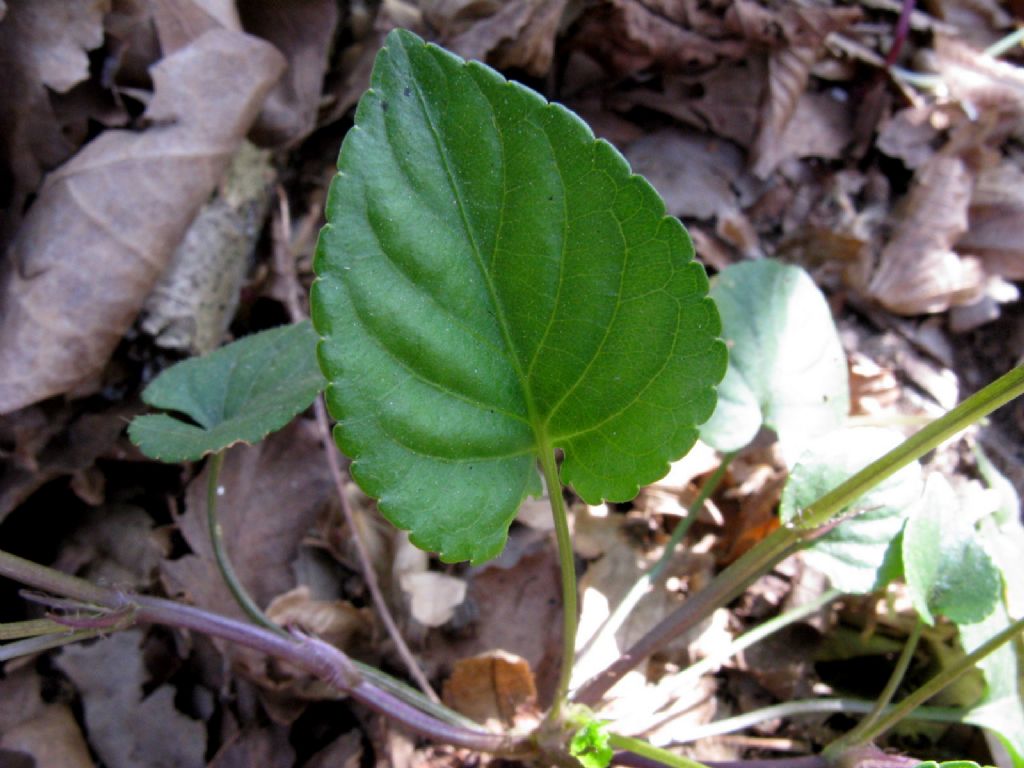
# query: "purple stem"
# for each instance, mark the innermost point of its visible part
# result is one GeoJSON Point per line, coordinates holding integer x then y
{"type": "Point", "coordinates": [313, 656]}
{"type": "Point", "coordinates": [900, 35]}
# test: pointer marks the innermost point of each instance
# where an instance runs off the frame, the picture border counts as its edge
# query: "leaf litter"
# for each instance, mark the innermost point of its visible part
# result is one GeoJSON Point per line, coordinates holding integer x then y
{"type": "Point", "coordinates": [769, 128]}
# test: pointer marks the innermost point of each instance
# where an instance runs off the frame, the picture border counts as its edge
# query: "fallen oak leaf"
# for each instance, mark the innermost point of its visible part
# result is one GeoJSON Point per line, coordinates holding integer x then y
{"type": "Point", "coordinates": [106, 223]}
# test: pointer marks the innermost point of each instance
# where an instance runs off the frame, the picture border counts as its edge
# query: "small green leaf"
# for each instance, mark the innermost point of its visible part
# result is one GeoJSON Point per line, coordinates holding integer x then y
{"type": "Point", "coordinates": [1001, 710]}
{"type": "Point", "coordinates": [947, 569]}
{"type": "Point", "coordinates": [858, 554]}
{"type": "Point", "coordinates": [493, 284]}
{"type": "Point", "coordinates": [787, 368]}
{"type": "Point", "coordinates": [949, 764]}
{"type": "Point", "coordinates": [590, 745]}
{"type": "Point", "coordinates": [238, 394]}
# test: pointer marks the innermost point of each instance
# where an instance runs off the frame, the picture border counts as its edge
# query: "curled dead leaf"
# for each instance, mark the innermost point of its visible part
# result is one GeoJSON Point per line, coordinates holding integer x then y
{"type": "Point", "coordinates": [494, 688]}
{"type": "Point", "coordinates": [996, 221]}
{"type": "Point", "coordinates": [106, 223]}
{"type": "Point", "coordinates": [918, 271]}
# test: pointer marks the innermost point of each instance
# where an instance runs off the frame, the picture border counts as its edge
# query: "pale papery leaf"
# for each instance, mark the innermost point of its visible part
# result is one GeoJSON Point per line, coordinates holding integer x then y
{"type": "Point", "coordinates": [44, 47]}
{"type": "Point", "coordinates": [304, 31]}
{"type": "Point", "coordinates": [106, 223]}
{"type": "Point", "coordinates": [995, 215]}
{"type": "Point", "coordinates": [918, 271]}
{"type": "Point", "coordinates": [987, 87]}
{"type": "Point", "coordinates": [126, 728]}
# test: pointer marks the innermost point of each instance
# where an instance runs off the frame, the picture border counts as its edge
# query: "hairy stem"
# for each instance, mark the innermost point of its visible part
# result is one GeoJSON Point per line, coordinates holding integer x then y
{"type": "Point", "coordinates": [861, 733]}
{"type": "Point", "coordinates": [812, 523]}
{"type": "Point", "coordinates": [652, 577]}
{"type": "Point", "coordinates": [567, 566]}
{"type": "Point", "coordinates": [220, 554]}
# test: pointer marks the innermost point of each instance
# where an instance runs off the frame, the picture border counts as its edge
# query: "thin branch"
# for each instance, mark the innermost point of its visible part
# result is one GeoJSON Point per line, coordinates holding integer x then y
{"type": "Point", "coordinates": [285, 257]}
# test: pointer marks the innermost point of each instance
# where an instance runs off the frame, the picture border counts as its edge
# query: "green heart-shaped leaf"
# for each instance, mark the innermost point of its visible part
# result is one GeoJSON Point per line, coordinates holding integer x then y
{"type": "Point", "coordinates": [857, 554]}
{"type": "Point", "coordinates": [948, 570]}
{"type": "Point", "coordinates": [787, 368]}
{"type": "Point", "coordinates": [238, 394]}
{"type": "Point", "coordinates": [493, 284]}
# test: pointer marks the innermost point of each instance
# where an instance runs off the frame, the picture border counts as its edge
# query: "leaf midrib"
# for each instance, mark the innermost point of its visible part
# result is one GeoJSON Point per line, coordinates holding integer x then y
{"type": "Point", "coordinates": [535, 423]}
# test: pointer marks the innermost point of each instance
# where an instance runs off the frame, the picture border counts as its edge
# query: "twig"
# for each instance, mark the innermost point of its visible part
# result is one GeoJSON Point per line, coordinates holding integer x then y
{"type": "Point", "coordinates": [286, 268]}
{"type": "Point", "coordinates": [321, 660]}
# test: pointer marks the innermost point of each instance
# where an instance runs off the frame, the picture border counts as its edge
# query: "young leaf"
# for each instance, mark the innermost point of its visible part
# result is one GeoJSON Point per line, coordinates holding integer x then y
{"type": "Point", "coordinates": [947, 569]}
{"type": "Point", "coordinates": [787, 369]}
{"type": "Point", "coordinates": [1001, 709]}
{"type": "Point", "coordinates": [493, 284]}
{"type": "Point", "coordinates": [855, 554]}
{"type": "Point", "coordinates": [238, 394]}
{"type": "Point", "coordinates": [590, 745]}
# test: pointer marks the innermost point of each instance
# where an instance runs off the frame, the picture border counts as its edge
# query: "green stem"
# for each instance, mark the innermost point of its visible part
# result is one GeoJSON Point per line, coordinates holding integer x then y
{"type": "Point", "coordinates": [1004, 45]}
{"type": "Point", "coordinates": [650, 578]}
{"type": "Point", "coordinates": [810, 707]}
{"type": "Point", "coordinates": [728, 585]}
{"type": "Point", "coordinates": [759, 633]}
{"type": "Point", "coordinates": [40, 643]}
{"type": "Point", "coordinates": [651, 752]}
{"type": "Point", "coordinates": [860, 734]}
{"type": "Point", "coordinates": [17, 630]}
{"type": "Point", "coordinates": [227, 571]}
{"type": "Point", "coordinates": [947, 676]}
{"type": "Point", "coordinates": [784, 541]}
{"type": "Point", "coordinates": [380, 679]}
{"type": "Point", "coordinates": [567, 566]}
{"type": "Point", "coordinates": [980, 404]}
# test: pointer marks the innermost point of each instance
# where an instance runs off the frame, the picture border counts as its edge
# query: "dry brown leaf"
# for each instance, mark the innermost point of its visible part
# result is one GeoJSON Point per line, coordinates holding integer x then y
{"type": "Point", "coordinates": [273, 492]}
{"type": "Point", "coordinates": [433, 597]}
{"type": "Point", "coordinates": [303, 30]}
{"type": "Point", "coordinates": [46, 735]}
{"type": "Point", "coordinates": [607, 582]}
{"type": "Point", "coordinates": [43, 45]}
{"type": "Point", "coordinates": [989, 88]}
{"type": "Point", "coordinates": [125, 728]}
{"type": "Point", "coordinates": [334, 621]}
{"type": "Point", "coordinates": [178, 23]}
{"type": "Point", "coordinates": [106, 223]}
{"type": "Point", "coordinates": [790, 124]}
{"type": "Point", "coordinates": [256, 747]}
{"type": "Point", "coordinates": [995, 231]}
{"type": "Point", "coordinates": [50, 441]}
{"type": "Point", "coordinates": [346, 751]}
{"type": "Point", "coordinates": [911, 134]}
{"type": "Point", "coordinates": [114, 545]}
{"type": "Point", "coordinates": [518, 604]}
{"type": "Point", "coordinates": [495, 689]}
{"type": "Point", "coordinates": [723, 102]}
{"type": "Point", "coordinates": [628, 36]}
{"type": "Point", "coordinates": [694, 173]}
{"type": "Point", "coordinates": [516, 33]}
{"type": "Point", "coordinates": [918, 271]}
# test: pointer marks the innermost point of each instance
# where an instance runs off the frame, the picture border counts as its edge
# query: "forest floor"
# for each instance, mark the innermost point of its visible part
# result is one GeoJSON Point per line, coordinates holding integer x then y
{"type": "Point", "coordinates": [875, 144]}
